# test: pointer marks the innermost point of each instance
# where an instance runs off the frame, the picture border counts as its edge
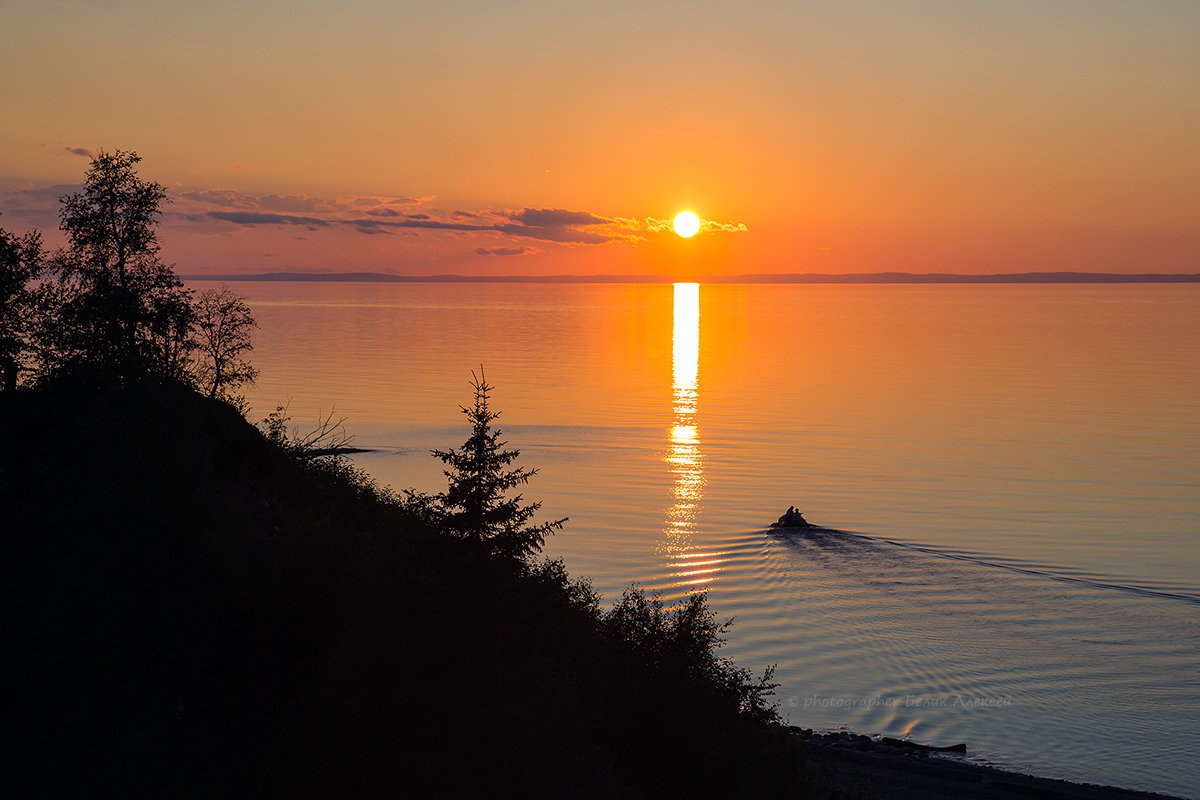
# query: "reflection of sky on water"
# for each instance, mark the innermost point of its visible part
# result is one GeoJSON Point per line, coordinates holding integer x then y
{"type": "Point", "coordinates": [689, 568]}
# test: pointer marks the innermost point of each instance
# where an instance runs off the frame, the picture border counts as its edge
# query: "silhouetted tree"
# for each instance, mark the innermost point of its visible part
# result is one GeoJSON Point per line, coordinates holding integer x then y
{"type": "Point", "coordinates": [118, 306]}
{"type": "Point", "coordinates": [20, 262]}
{"type": "Point", "coordinates": [474, 505]}
{"type": "Point", "coordinates": [222, 333]}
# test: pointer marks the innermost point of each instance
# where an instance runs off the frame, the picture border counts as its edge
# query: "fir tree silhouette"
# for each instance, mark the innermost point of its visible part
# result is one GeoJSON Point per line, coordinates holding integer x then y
{"type": "Point", "coordinates": [475, 505]}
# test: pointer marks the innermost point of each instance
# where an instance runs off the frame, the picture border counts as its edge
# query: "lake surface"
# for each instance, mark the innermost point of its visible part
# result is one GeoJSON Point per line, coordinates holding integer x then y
{"type": "Point", "coordinates": [1015, 470]}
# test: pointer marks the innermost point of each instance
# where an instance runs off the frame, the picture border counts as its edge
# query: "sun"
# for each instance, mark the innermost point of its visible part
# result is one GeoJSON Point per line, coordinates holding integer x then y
{"type": "Point", "coordinates": [686, 224]}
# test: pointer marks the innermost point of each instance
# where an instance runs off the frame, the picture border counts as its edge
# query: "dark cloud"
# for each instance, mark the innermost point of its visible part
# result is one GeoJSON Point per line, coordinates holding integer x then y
{"type": "Point", "coordinates": [563, 235]}
{"type": "Point", "coordinates": [326, 211]}
{"type": "Point", "coordinates": [377, 215]}
{"type": "Point", "coordinates": [501, 251]}
{"type": "Point", "coordinates": [368, 226]}
{"type": "Point", "coordinates": [45, 195]}
{"type": "Point", "coordinates": [228, 198]}
{"type": "Point", "coordinates": [34, 206]}
{"type": "Point", "coordinates": [375, 225]}
{"type": "Point", "coordinates": [80, 151]}
{"type": "Point", "coordinates": [555, 218]}
{"type": "Point", "coordinates": [291, 202]}
{"type": "Point", "coordinates": [259, 218]}
{"type": "Point", "coordinates": [220, 197]}
{"type": "Point", "coordinates": [554, 225]}
{"type": "Point", "coordinates": [366, 215]}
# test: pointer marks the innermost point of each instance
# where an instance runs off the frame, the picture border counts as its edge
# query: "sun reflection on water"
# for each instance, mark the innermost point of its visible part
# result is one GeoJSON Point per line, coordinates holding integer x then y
{"type": "Point", "coordinates": [690, 569]}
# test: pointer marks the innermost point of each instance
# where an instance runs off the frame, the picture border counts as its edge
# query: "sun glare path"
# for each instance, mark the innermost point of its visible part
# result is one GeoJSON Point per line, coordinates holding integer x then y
{"type": "Point", "coordinates": [689, 568]}
{"type": "Point", "coordinates": [687, 224]}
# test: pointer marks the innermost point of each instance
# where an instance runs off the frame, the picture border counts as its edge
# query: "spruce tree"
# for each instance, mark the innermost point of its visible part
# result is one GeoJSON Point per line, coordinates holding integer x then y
{"type": "Point", "coordinates": [475, 505]}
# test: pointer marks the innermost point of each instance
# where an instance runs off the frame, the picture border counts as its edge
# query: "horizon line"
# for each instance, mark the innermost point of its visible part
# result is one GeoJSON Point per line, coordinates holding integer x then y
{"type": "Point", "coordinates": [782, 277]}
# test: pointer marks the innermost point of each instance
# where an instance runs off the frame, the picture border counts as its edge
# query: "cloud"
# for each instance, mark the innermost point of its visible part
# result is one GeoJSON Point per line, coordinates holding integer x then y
{"type": "Point", "coordinates": [377, 225]}
{"type": "Point", "coordinates": [722, 227]}
{"type": "Point", "coordinates": [35, 206]}
{"type": "Point", "coordinates": [509, 230]}
{"type": "Point", "coordinates": [220, 197]}
{"type": "Point", "coordinates": [259, 218]}
{"type": "Point", "coordinates": [393, 200]}
{"type": "Point", "coordinates": [39, 196]}
{"type": "Point", "coordinates": [501, 251]}
{"type": "Point", "coordinates": [80, 151]}
{"type": "Point", "coordinates": [491, 232]}
{"type": "Point", "coordinates": [561, 235]}
{"type": "Point", "coordinates": [382, 214]}
{"type": "Point", "coordinates": [555, 218]}
{"type": "Point", "coordinates": [309, 209]}
{"type": "Point", "coordinates": [370, 227]}
{"type": "Point", "coordinates": [228, 198]}
{"type": "Point", "coordinates": [556, 225]}
{"type": "Point", "coordinates": [291, 202]}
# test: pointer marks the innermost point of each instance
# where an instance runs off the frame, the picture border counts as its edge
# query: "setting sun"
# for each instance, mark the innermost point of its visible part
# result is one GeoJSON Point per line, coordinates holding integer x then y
{"type": "Point", "coordinates": [686, 224]}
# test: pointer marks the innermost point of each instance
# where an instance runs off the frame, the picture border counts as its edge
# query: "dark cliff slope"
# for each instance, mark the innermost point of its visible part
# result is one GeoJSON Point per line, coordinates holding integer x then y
{"type": "Point", "coordinates": [194, 612]}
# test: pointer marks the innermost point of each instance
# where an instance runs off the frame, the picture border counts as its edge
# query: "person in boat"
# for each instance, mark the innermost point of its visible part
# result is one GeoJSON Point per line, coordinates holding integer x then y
{"type": "Point", "coordinates": [792, 519]}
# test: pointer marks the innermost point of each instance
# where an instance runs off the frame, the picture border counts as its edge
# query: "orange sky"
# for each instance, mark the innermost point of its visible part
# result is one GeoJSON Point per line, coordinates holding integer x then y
{"type": "Point", "coordinates": [549, 137]}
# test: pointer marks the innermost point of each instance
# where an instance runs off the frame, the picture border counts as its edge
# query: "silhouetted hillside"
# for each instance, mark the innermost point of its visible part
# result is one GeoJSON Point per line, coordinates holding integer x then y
{"type": "Point", "coordinates": [193, 611]}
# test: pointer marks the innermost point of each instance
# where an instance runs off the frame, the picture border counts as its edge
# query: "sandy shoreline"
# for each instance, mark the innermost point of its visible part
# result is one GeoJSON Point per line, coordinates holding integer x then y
{"type": "Point", "coordinates": [838, 772]}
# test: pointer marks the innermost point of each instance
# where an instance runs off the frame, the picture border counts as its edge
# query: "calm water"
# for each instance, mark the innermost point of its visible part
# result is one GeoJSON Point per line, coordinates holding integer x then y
{"type": "Point", "coordinates": [1017, 469]}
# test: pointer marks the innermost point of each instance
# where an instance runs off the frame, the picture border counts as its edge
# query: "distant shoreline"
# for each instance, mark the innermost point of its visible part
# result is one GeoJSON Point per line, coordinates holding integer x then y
{"type": "Point", "coordinates": [816, 278]}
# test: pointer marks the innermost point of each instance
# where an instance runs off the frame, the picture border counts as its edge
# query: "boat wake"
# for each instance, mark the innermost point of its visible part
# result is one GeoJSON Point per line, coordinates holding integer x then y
{"type": "Point", "coordinates": [834, 540]}
{"type": "Point", "coordinates": [907, 639]}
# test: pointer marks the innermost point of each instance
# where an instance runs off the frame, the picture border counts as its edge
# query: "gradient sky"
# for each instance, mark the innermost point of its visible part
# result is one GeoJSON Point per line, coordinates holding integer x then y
{"type": "Point", "coordinates": [556, 137]}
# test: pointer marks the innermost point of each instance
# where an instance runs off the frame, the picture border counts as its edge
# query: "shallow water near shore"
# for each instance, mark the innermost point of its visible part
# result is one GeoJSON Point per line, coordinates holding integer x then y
{"type": "Point", "coordinates": [1013, 472]}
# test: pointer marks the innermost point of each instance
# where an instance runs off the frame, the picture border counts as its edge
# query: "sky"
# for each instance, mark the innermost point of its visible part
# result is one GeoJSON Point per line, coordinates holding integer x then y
{"type": "Point", "coordinates": [535, 138]}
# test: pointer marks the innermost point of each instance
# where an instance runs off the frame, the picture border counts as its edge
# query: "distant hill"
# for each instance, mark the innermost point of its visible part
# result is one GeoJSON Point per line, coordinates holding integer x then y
{"type": "Point", "coordinates": [783, 277]}
{"type": "Point", "coordinates": [944, 277]}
